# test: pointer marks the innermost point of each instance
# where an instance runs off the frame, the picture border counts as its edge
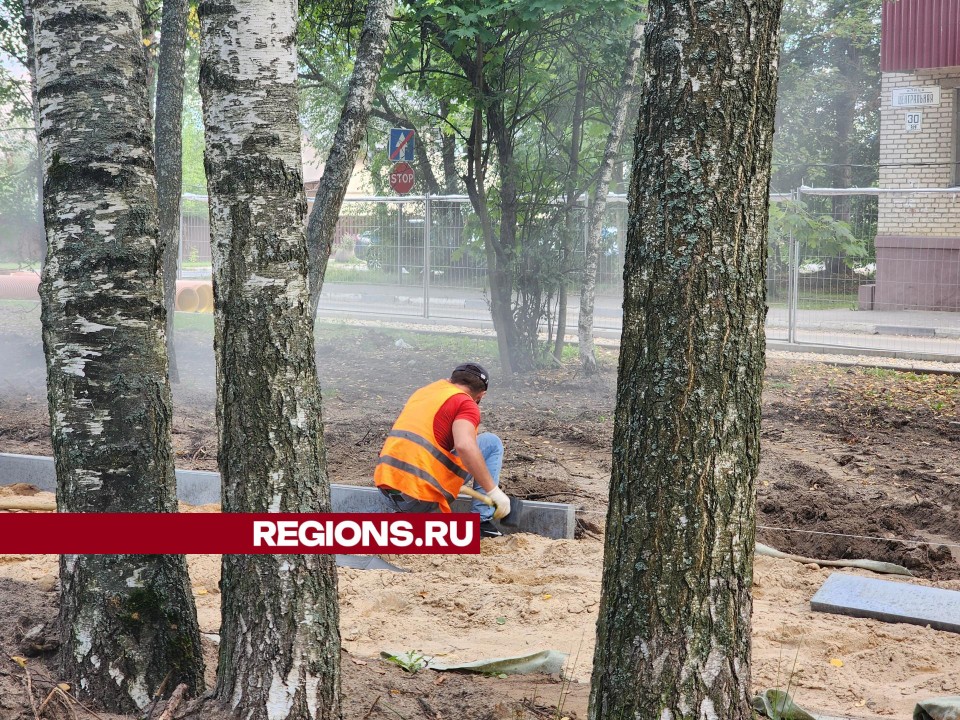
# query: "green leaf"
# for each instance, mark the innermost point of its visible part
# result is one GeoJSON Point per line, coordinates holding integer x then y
{"type": "Point", "coordinates": [412, 660]}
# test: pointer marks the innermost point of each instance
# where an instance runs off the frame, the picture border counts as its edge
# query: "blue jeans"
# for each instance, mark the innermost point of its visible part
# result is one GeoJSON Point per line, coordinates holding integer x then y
{"type": "Point", "coordinates": [491, 447]}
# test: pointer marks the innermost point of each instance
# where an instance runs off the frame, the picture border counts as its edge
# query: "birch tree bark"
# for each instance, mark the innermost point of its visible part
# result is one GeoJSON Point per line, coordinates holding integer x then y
{"type": "Point", "coordinates": [588, 288]}
{"type": "Point", "coordinates": [346, 141]}
{"type": "Point", "coordinates": [126, 622]}
{"type": "Point", "coordinates": [673, 634]}
{"type": "Point", "coordinates": [169, 155]}
{"type": "Point", "coordinates": [280, 642]}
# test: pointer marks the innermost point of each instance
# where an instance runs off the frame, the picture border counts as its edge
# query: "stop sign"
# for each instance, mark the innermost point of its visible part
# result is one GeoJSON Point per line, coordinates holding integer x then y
{"type": "Point", "coordinates": [401, 178]}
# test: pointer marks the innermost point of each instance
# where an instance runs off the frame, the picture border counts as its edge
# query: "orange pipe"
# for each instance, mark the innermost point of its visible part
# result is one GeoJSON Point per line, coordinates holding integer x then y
{"type": "Point", "coordinates": [194, 296]}
{"type": "Point", "coordinates": [205, 294]}
{"type": "Point", "coordinates": [191, 296]}
{"type": "Point", "coordinates": [187, 300]}
{"type": "Point", "coordinates": [20, 286]}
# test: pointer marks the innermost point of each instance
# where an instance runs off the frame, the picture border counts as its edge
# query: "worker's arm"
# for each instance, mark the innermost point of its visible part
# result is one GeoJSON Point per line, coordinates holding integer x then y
{"type": "Point", "coordinates": [465, 443]}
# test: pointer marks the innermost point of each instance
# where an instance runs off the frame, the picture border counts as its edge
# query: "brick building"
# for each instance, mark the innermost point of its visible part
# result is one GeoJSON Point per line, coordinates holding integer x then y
{"type": "Point", "coordinates": [918, 235]}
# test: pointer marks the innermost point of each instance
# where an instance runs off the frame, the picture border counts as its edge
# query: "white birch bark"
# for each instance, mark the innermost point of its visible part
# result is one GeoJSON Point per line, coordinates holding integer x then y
{"type": "Point", "coordinates": [126, 621]}
{"type": "Point", "coordinates": [280, 644]}
{"type": "Point", "coordinates": [588, 287]}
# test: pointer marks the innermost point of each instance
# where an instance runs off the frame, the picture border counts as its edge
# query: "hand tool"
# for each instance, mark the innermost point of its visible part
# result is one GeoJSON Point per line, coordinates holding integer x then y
{"type": "Point", "coordinates": [511, 519]}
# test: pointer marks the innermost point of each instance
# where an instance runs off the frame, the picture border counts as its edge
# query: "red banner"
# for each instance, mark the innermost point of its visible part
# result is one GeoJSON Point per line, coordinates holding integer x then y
{"type": "Point", "coordinates": [238, 533]}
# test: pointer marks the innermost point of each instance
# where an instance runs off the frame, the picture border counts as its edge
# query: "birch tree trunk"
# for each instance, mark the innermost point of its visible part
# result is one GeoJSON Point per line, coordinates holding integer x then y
{"type": "Point", "coordinates": [169, 155]}
{"type": "Point", "coordinates": [673, 634]}
{"type": "Point", "coordinates": [588, 288]}
{"type": "Point", "coordinates": [280, 643]}
{"type": "Point", "coordinates": [346, 142]}
{"type": "Point", "coordinates": [126, 621]}
{"type": "Point", "coordinates": [148, 26]}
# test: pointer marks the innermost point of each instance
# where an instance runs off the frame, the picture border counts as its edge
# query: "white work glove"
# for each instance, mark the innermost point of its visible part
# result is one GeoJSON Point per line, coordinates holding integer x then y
{"type": "Point", "coordinates": [501, 502]}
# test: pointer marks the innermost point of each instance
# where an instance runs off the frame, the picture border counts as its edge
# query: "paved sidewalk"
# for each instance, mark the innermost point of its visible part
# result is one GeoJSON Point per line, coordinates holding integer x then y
{"type": "Point", "coordinates": [930, 333]}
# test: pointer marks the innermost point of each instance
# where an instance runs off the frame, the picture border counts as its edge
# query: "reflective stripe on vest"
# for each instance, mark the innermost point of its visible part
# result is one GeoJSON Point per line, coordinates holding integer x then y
{"type": "Point", "coordinates": [425, 444]}
{"type": "Point", "coordinates": [412, 461]}
{"type": "Point", "coordinates": [413, 470]}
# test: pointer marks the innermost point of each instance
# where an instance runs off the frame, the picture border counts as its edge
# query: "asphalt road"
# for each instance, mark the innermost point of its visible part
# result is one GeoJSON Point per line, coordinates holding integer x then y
{"type": "Point", "coordinates": [929, 333]}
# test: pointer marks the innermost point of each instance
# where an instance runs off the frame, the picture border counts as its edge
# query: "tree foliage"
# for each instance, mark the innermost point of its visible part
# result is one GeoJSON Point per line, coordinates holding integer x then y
{"type": "Point", "coordinates": [490, 87]}
{"type": "Point", "coordinates": [14, 78]}
{"type": "Point", "coordinates": [828, 109]}
{"type": "Point", "coordinates": [495, 82]}
{"type": "Point", "coordinates": [21, 236]}
{"type": "Point", "coordinates": [819, 235]}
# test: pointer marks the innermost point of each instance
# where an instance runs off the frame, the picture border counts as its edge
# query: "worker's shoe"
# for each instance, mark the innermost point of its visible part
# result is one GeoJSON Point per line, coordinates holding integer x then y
{"type": "Point", "coordinates": [488, 529]}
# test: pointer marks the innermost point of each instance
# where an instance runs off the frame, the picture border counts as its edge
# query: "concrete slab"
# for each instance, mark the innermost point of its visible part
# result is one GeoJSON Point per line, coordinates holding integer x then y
{"type": "Point", "coordinates": [367, 562]}
{"type": "Point", "coordinates": [36, 470]}
{"type": "Point", "coordinates": [196, 487]}
{"type": "Point", "coordinates": [552, 520]}
{"type": "Point", "coordinates": [894, 602]}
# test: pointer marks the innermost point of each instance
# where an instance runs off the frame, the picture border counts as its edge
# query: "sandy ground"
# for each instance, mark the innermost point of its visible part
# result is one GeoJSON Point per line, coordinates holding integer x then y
{"type": "Point", "coordinates": [526, 593]}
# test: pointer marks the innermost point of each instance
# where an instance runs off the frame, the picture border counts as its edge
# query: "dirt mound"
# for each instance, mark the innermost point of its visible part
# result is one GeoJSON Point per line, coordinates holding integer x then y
{"type": "Point", "coordinates": [831, 517]}
{"type": "Point", "coordinates": [546, 486]}
{"type": "Point", "coordinates": [18, 489]}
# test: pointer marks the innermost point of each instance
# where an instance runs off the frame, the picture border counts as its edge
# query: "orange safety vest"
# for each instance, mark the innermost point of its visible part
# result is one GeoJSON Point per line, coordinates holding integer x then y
{"type": "Point", "coordinates": [412, 461]}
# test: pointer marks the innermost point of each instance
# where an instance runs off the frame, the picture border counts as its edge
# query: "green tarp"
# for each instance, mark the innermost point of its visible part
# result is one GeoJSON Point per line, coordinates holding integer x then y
{"type": "Point", "coordinates": [874, 565]}
{"type": "Point", "coordinates": [549, 662]}
{"type": "Point", "coordinates": [942, 708]}
{"type": "Point", "coordinates": [778, 705]}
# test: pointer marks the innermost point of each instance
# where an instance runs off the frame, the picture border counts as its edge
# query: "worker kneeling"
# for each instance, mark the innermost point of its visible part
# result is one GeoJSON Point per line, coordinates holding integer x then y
{"type": "Point", "coordinates": [433, 449]}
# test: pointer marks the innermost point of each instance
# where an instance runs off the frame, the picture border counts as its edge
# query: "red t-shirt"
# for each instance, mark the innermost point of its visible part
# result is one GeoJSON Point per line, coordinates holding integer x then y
{"type": "Point", "coordinates": [459, 407]}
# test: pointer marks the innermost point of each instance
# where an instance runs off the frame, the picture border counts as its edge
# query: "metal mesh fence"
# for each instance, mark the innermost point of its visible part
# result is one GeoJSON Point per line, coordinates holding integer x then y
{"type": "Point", "coordinates": [195, 259]}
{"type": "Point", "coordinates": [839, 271]}
{"type": "Point", "coordinates": [457, 257]}
{"type": "Point", "coordinates": [377, 262]}
{"type": "Point", "coordinates": [871, 269]}
{"type": "Point", "coordinates": [407, 256]}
